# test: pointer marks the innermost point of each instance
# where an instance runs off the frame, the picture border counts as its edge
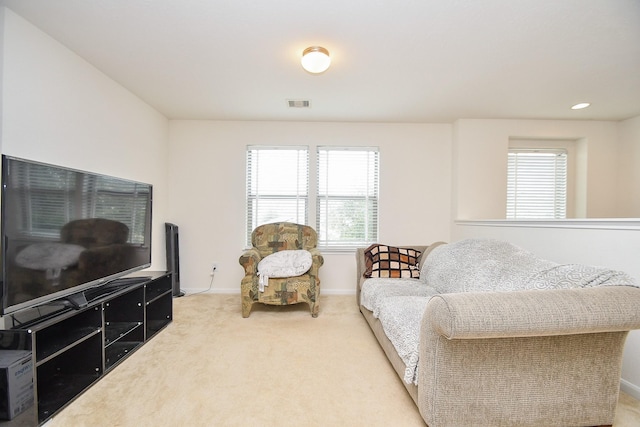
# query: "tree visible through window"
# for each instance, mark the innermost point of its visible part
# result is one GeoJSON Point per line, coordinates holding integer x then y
{"type": "Point", "coordinates": [537, 184]}
{"type": "Point", "coordinates": [347, 199]}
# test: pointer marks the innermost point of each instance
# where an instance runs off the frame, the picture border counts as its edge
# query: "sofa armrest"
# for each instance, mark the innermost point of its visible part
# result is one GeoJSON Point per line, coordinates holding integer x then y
{"type": "Point", "coordinates": [476, 315]}
{"type": "Point", "coordinates": [360, 267]}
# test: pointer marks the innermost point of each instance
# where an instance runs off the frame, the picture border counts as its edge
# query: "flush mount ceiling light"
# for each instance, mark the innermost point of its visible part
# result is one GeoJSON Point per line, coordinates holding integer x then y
{"type": "Point", "coordinates": [580, 106]}
{"type": "Point", "coordinates": [315, 59]}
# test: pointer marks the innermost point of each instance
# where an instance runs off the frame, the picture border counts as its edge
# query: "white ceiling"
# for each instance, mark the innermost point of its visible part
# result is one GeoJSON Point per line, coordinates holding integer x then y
{"type": "Point", "coordinates": [393, 60]}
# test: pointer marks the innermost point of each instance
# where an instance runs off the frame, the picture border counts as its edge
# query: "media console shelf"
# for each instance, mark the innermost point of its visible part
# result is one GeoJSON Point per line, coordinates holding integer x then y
{"type": "Point", "coordinates": [73, 349]}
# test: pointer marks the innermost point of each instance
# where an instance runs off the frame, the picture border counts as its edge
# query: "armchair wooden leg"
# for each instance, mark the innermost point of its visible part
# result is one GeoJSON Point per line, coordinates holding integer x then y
{"type": "Point", "coordinates": [246, 307]}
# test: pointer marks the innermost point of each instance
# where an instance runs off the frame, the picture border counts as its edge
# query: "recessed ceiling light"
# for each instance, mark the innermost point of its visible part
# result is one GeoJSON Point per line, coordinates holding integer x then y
{"type": "Point", "coordinates": [580, 106]}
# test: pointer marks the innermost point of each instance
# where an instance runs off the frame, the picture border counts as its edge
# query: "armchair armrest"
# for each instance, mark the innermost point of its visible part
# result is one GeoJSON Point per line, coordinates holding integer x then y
{"type": "Point", "coordinates": [534, 313]}
{"type": "Point", "coordinates": [317, 258]}
{"type": "Point", "coordinates": [249, 260]}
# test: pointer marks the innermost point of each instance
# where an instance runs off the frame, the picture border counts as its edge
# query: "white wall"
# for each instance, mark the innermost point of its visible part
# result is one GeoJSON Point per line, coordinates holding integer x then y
{"type": "Point", "coordinates": [207, 190]}
{"type": "Point", "coordinates": [59, 109]}
{"type": "Point", "coordinates": [480, 152]}
{"type": "Point", "coordinates": [2, 31]}
{"type": "Point", "coordinates": [629, 179]}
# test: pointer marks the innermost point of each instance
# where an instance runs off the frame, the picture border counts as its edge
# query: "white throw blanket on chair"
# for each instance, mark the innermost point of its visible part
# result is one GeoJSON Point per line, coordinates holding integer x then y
{"type": "Point", "coordinates": [287, 263]}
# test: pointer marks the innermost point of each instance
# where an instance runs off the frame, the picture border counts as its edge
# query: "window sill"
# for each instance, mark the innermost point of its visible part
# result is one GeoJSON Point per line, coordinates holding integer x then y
{"type": "Point", "coordinates": [339, 250]}
{"type": "Point", "coordinates": [584, 223]}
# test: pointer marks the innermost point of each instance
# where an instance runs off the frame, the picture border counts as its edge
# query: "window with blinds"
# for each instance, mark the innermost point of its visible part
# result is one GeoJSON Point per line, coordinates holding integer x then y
{"type": "Point", "coordinates": [347, 196]}
{"type": "Point", "coordinates": [537, 184]}
{"type": "Point", "coordinates": [277, 185]}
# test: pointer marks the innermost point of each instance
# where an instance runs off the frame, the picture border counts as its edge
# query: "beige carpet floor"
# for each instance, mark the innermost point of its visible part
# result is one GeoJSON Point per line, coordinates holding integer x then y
{"type": "Point", "coordinates": [279, 367]}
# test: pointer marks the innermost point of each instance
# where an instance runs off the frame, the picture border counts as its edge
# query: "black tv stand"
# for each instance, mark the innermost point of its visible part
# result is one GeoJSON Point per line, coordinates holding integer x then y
{"type": "Point", "coordinates": [73, 348]}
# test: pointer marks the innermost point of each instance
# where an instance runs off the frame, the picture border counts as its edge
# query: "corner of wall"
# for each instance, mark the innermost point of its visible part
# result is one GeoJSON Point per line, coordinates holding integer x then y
{"type": "Point", "coordinates": [630, 388]}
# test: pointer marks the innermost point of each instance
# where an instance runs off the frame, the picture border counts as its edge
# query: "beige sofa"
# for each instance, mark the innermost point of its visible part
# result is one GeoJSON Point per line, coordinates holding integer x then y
{"type": "Point", "coordinates": [520, 358]}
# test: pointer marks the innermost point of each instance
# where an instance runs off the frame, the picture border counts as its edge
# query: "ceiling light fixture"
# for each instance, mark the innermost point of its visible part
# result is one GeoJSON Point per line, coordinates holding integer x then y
{"type": "Point", "coordinates": [315, 59]}
{"type": "Point", "coordinates": [580, 106]}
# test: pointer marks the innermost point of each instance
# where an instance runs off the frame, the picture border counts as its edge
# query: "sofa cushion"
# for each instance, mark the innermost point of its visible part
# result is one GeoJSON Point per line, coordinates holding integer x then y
{"type": "Point", "coordinates": [390, 261]}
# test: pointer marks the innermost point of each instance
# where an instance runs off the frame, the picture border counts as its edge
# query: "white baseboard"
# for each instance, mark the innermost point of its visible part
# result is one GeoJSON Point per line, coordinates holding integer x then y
{"type": "Point", "coordinates": [191, 291]}
{"type": "Point", "coordinates": [338, 292]}
{"type": "Point", "coordinates": [630, 388]}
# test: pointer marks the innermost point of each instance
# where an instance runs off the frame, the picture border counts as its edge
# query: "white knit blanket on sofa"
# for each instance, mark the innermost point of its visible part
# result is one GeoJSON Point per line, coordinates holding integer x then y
{"type": "Point", "coordinates": [399, 305]}
{"type": "Point", "coordinates": [473, 265]}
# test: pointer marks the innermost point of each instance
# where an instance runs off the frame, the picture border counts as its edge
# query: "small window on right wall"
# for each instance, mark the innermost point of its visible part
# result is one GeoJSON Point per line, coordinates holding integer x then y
{"type": "Point", "coordinates": [537, 183]}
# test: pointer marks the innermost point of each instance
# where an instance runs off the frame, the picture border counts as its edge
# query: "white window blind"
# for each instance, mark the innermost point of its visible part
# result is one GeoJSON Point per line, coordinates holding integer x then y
{"type": "Point", "coordinates": [347, 196]}
{"type": "Point", "coordinates": [277, 185]}
{"type": "Point", "coordinates": [537, 184]}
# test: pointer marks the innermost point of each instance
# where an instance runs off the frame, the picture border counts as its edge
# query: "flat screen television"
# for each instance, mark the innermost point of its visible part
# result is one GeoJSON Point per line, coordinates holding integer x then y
{"type": "Point", "coordinates": [65, 231]}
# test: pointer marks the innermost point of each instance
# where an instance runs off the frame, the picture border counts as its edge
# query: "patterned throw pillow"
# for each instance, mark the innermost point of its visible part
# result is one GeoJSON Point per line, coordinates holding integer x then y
{"type": "Point", "coordinates": [392, 262]}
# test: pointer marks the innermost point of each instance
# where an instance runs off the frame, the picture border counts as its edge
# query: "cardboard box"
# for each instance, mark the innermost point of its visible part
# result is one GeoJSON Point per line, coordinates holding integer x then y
{"type": "Point", "coordinates": [16, 382]}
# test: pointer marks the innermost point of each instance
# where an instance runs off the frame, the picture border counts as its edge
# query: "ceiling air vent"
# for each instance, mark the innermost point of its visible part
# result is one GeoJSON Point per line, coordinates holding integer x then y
{"type": "Point", "coordinates": [299, 103]}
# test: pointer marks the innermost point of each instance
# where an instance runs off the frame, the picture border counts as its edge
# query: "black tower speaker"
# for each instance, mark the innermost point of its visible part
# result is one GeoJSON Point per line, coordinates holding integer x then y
{"type": "Point", "coordinates": [173, 257]}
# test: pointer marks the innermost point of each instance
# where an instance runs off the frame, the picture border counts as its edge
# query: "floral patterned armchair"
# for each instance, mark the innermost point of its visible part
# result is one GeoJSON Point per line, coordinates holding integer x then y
{"type": "Point", "coordinates": [268, 239]}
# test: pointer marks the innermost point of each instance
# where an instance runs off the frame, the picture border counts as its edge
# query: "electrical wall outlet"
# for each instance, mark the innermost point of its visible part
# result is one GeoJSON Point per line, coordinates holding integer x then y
{"type": "Point", "coordinates": [214, 268]}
